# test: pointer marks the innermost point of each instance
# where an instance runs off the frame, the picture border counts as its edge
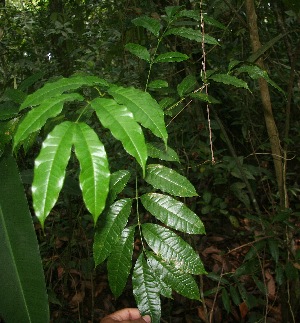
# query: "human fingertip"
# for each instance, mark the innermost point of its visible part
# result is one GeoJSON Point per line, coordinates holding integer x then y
{"type": "Point", "coordinates": [147, 318]}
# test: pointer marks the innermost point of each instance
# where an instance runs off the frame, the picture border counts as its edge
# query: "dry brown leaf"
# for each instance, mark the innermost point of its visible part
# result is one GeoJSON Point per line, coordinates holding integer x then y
{"type": "Point", "coordinates": [271, 285]}
{"type": "Point", "coordinates": [210, 250]}
{"type": "Point", "coordinates": [243, 310]}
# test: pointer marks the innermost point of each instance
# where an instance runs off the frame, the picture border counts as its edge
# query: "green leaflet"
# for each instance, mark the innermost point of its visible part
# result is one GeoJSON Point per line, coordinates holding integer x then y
{"type": "Point", "coordinates": [148, 23]}
{"type": "Point", "coordinates": [119, 120]}
{"type": "Point", "coordinates": [158, 150]}
{"type": "Point", "coordinates": [110, 228]}
{"type": "Point", "coordinates": [167, 180]}
{"type": "Point", "coordinates": [204, 97]}
{"type": "Point", "coordinates": [170, 247]}
{"type": "Point", "coordinates": [178, 280]}
{"type": "Point", "coordinates": [172, 213]}
{"type": "Point", "coordinates": [144, 108]}
{"type": "Point", "coordinates": [171, 57]}
{"type": "Point", "coordinates": [94, 171]}
{"type": "Point", "coordinates": [158, 84]}
{"type": "Point", "coordinates": [139, 51]}
{"type": "Point", "coordinates": [56, 88]}
{"type": "Point", "coordinates": [146, 290]}
{"type": "Point", "coordinates": [50, 167]}
{"type": "Point", "coordinates": [229, 79]}
{"type": "Point", "coordinates": [23, 291]}
{"type": "Point", "coordinates": [120, 261]}
{"type": "Point", "coordinates": [187, 85]}
{"type": "Point", "coordinates": [37, 117]}
{"type": "Point", "coordinates": [118, 180]}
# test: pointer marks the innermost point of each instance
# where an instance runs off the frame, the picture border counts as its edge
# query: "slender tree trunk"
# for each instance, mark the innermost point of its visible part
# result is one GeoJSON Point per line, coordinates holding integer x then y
{"type": "Point", "coordinates": [266, 102]}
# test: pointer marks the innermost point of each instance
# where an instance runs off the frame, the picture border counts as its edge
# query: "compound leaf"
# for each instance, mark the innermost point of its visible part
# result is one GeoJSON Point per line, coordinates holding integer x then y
{"type": "Point", "coordinates": [110, 228]}
{"type": "Point", "coordinates": [172, 213]}
{"type": "Point", "coordinates": [173, 249]}
{"type": "Point", "coordinates": [168, 180]}
{"type": "Point", "coordinates": [146, 290]}
{"type": "Point", "coordinates": [50, 167]}
{"type": "Point", "coordinates": [120, 121]}
{"type": "Point", "coordinates": [94, 171]}
{"type": "Point", "coordinates": [37, 117]}
{"type": "Point", "coordinates": [120, 261]}
{"type": "Point", "coordinates": [144, 108]}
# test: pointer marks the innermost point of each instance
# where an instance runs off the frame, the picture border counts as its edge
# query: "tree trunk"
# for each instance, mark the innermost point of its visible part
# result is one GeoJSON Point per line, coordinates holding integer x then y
{"type": "Point", "coordinates": [266, 102]}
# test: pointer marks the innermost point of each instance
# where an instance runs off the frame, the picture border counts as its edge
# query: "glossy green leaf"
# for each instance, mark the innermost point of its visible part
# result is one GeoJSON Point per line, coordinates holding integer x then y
{"type": "Point", "coordinates": [172, 213]}
{"type": "Point", "coordinates": [146, 290]}
{"type": "Point", "coordinates": [178, 280]}
{"type": "Point", "coordinates": [8, 110]}
{"type": "Point", "coordinates": [213, 22]}
{"type": "Point", "coordinates": [171, 57]}
{"type": "Point", "coordinates": [173, 249]}
{"type": "Point", "coordinates": [50, 167]}
{"type": "Point", "coordinates": [139, 51]}
{"type": "Point", "coordinates": [144, 108]}
{"type": "Point", "coordinates": [94, 171]}
{"type": "Point", "coordinates": [159, 150]}
{"type": "Point", "coordinates": [158, 84]}
{"type": "Point", "coordinates": [151, 24]}
{"type": "Point", "coordinates": [173, 11]}
{"type": "Point", "coordinates": [120, 121]}
{"type": "Point", "coordinates": [23, 290]}
{"type": "Point", "coordinates": [118, 180]}
{"type": "Point", "coordinates": [230, 80]}
{"type": "Point", "coordinates": [37, 117]}
{"type": "Point", "coordinates": [111, 225]}
{"type": "Point", "coordinates": [168, 180]}
{"type": "Point", "coordinates": [56, 88]}
{"type": "Point", "coordinates": [234, 294]}
{"type": "Point", "coordinates": [120, 261]}
{"type": "Point", "coordinates": [192, 34]}
{"type": "Point", "coordinates": [193, 14]}
{"type": "Point", "coordinates": [187, 85]}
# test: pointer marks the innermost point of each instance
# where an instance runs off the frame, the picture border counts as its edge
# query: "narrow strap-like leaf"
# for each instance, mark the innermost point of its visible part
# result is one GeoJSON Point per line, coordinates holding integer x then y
{"type": "Point", "coordinates": [37, 117]}
{"type": "Point", "coordinates": [120, 261]}
{"type": "Point", "coordinates": [178, 280]}
{"type": "Point", "coordinates": [94, 171]}
{"type": "Point", "coordinates": [50, 167]}
{"type": "Point", "coordinates": [144, 108]}
{"type": "Point", "coordinates": [146, 290]}
{"type": "Point", "coordinates": [60, 86]}
{"type": "Point", "coordinates": [172, 248]}
{"type": "Point", "coordinates": [168, 180]}
{"type": "Point", "coordinates": [110, 228]}
{"type": "Point", "coordinates": [118, 180]}
{"type": "Point", "coordinates": [172, 213]}
{"type": "Point", "coordinates": [119, 120]}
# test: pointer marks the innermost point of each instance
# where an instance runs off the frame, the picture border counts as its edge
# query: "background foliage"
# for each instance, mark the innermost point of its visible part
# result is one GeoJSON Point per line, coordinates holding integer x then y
{"type": "Point", "coordinates": [250, 251]}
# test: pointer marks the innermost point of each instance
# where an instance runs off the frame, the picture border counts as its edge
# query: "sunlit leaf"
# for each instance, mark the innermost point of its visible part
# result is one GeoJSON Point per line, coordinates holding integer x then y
{"type": "Point", "coordinates": [120, 121]}
{"type": "Point", "coordinates": [139, 51]}
{"type": "Point", "coordinates": [158, 84]}
{"type": "Point", "coordinates": [172, 213]}
{"type": "Point", "coordinates": [37, 117]}
{"type": "Point", "coordinates": [148, 23]}
{"type": "Point", "coordinates": [168, 180]}
{"type": "Point", "coordinates": [183, 283]}
{"type": "Point", "coordinates": [58, 87]}
{"type": "Point", "coordinates": [171, 57]}
{"type": "Point", "coordinates": [110, 227]}
{"type": "Point", "coordinates": [173, 249]}
{"type": "Point", "coordinates": [118, 180]}
{"type": "Point", "coordinates": [146, 290]}
{"type": "Point", "coordinates": [120, 261]}
{"type": "Point", "coordinates": [94, 171]}
{"type": "Point", "coordinates": [50, 167]}
{"type": "Point", "coordinates": [144, 108]}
